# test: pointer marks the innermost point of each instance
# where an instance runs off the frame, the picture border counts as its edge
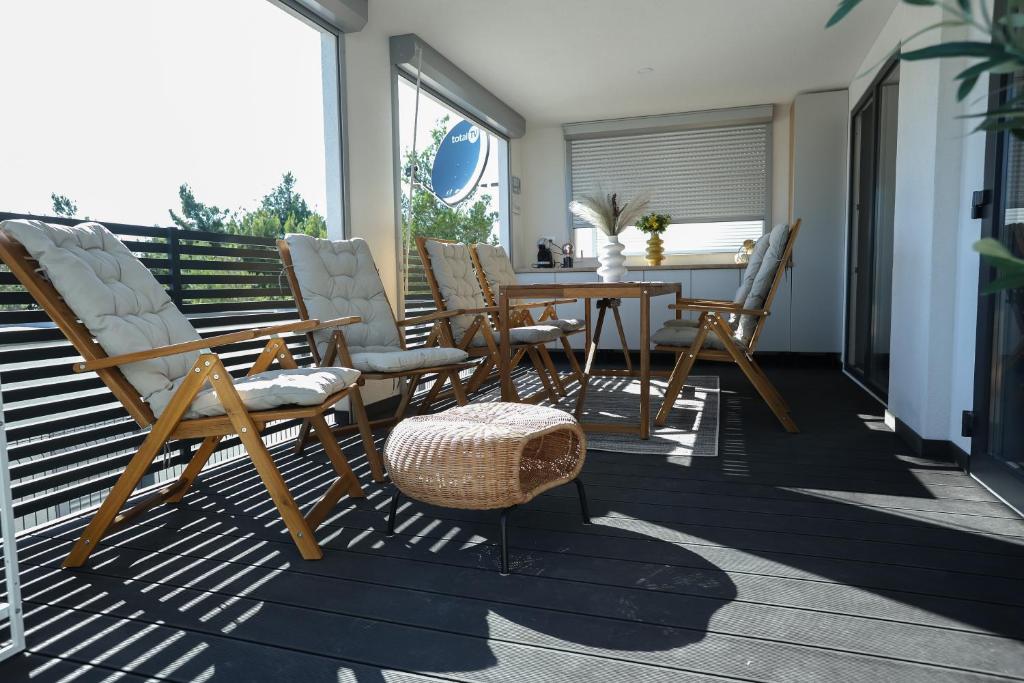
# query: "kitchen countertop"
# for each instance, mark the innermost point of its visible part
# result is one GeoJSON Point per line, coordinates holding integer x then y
{"type": "Point", "coordinates": [678, 266]}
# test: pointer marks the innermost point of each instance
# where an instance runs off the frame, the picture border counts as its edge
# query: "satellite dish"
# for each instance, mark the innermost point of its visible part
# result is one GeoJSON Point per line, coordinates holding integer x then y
{"type": "Point", "coordinates": [459, 162]}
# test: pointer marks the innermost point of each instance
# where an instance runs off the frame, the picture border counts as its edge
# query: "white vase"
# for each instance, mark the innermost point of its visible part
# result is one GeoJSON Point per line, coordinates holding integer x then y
{"type": "Point", "coordinates": [613, 263]}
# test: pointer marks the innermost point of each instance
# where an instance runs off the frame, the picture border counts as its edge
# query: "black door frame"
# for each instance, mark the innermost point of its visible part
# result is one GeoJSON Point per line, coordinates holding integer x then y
{"type": "Point", "coordinates": [871, 94]}
{"type": "Point", "coordinates": [993, 473]}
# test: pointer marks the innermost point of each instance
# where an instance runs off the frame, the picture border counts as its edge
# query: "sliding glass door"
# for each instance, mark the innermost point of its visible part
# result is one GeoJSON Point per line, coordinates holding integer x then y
{"type": "Point", "coordinates": [872, 203]}
{"type": "Point", "coordinates": [997, 448]}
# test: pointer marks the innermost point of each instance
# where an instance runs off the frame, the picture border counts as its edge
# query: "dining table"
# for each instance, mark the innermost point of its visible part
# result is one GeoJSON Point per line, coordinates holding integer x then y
{"type": "Point", "coordinates": [607, 296]}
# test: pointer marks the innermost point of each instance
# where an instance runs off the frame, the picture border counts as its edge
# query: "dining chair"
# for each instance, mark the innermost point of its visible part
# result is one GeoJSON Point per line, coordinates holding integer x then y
{"type": "Point", "coordinates": [128, 331]}
{"type": "Point", "coordinates": [338, 278]}
{"type": "Point", "coordinates": [494, 270]}
{"type": "Point", "coordinates": [450, 274]}
{"type": "Point", "coordinates": [727, 331]}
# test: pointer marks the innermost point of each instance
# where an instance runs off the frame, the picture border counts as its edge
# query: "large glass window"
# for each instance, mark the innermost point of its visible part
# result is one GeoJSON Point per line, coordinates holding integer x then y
{"type": "Point", "coordinates": [713, 182]}
{"type": "Point", "coordinates": [225, 119]}
{"type": "Point", "coordinates": [474, 212]}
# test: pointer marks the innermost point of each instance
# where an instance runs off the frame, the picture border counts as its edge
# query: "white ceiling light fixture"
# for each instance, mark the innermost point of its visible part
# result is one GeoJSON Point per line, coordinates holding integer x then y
{"type": "Point", "coordinates": [644, 70]}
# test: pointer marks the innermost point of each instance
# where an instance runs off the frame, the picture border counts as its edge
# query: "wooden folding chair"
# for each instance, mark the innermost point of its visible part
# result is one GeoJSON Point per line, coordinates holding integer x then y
{"type": "Point", "coordinates": [714, 338]}
{"type": "Point", "coordinates": [385, 332]}
{"type": "Point", "coordinates": [226, 411]}
{"type": "Point", "coordinates": [471, 324]}
{"type": "Point", "coordinates": [494, 270]}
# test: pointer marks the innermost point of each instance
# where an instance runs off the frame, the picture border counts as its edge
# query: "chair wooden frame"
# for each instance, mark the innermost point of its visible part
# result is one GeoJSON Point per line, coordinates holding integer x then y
{"type": "Point", "coordinates": [521, 315]}
{"type": "Point", "coordinates": [207, 369]}
{"type": "Point", "coordinates": [413, 377]}
{"type": "Point", "coordinates": [714, 321]}
{"type": "Point", "coordinates": [482, 323]}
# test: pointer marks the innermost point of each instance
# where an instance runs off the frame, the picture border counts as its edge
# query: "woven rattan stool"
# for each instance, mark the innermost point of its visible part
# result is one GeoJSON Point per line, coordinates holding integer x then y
{"type": "Point", "coordinates": [485, 456]}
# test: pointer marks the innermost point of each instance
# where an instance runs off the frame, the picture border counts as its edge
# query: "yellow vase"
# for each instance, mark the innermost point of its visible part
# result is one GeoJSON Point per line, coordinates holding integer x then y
{"type": "Point", "coordinates": [655, 251]}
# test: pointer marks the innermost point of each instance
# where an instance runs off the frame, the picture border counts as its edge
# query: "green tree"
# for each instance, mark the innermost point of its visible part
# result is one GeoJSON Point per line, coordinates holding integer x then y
{"type": "Point", "coordinates": [284, 201]}
{"type": "Point", "coordinates": [469, 222]}
{"type": "Point", "coordinates": [195, 215]}
{"type": "Point", "coordinates": [63, 205]}
{"type": "Point", "coordinates": [281, 211]}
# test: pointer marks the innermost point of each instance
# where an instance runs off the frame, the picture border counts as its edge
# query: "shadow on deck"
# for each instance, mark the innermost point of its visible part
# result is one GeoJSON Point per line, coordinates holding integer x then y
{"type": "Point", "coordinates": [828, 555]}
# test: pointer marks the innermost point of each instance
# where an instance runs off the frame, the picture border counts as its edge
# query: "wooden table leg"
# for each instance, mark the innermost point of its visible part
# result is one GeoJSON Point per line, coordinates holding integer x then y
{"type": "Point", "coordinates": [602, 306]}
{"type": "Point", "coordinates": [615, 303]}
{"type": "Point", "coordinates": [645, 364]}
{"type": "Point", "coordinates": [504, 349]}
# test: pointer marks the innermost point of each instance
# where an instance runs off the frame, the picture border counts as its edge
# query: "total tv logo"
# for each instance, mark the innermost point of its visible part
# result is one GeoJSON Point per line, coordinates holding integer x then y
{"type": "Point", "coordinates": [471, 136]}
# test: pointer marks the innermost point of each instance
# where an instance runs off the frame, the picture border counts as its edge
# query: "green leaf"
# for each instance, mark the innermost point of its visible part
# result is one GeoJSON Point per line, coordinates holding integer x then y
{"type": "Point", "coordinates": [965, 5]}
{"type": "Point", "coordinates": [965, 88]}
{"type": "Point", "coordinates": [995, 251]}
{"type": "Point", "coordinates": [845, 7]}
{"type": "Point", "coordinates": [957, 49]}
{"type": "Point", "coordinates": [1009, 281]}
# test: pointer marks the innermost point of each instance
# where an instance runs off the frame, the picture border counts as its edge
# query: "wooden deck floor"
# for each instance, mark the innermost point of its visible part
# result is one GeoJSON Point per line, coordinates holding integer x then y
{"type": "Point", "coordinates": [831, 555]}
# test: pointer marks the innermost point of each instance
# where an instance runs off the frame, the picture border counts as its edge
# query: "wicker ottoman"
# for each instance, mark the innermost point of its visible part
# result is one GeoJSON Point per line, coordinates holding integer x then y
{"type": "Point", "coordinates": [485, 456]}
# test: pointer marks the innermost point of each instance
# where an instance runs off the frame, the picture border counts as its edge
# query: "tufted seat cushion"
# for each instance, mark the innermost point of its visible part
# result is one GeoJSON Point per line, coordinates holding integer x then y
{"type": "Point", "coordinates": [683, 336]}
{"type": "Point", "coordinates": [338, 278]}
{"type": "Point", "coordinates": [115, 296]}
{"type": "Point", "coordinates": [398, 360]}
{"type": "Point", "coordinates": [496, 265]}
{"type": "Point", "coordinates": [753, 290]}
{"type": "Point", "coordinates": [120, 302]}
{"type": "Point", "coordinates": [566, 324]}
{"type": "Point", "coordinates": [762, 281]}
{"type": "Point", "coordinates": [452, 265]}
{"type": "Point", "coordinates": [278, 388]}
{"type": "Point", "coordinates": [530, 334]}
{"type": "Point", "coordinates": [453, 269]}
{"type": "Point", "coordinates": [498, 271]}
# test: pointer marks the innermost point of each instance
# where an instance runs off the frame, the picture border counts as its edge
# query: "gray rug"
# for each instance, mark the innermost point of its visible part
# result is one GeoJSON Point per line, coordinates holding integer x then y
{"type": "Point", "coordinates": [692, 428]}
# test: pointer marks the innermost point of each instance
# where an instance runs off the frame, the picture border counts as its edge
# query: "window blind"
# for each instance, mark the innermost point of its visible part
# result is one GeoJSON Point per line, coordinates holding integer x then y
{"type": "Point", "coordinates": [710, 175]}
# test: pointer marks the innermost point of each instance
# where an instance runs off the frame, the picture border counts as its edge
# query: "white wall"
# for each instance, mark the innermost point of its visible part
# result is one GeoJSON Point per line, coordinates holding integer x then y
{"type": "Point", "coordinates": [544, 202]}
{"type": "Point", "coordinates": [938, 165]}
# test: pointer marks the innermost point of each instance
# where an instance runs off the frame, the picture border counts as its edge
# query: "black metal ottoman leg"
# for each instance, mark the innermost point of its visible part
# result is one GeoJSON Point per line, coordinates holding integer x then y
{"type": "Point", "coordinates": [393, 511]}
{"type": "Point", "coordinates": [505, 514]}
{"type": "Point", "coordinates": [583, 500]}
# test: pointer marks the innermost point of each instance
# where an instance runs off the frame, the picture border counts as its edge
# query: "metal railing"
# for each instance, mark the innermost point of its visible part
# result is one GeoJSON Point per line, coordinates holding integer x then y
{"type": "Point", "coordinates": [68, 437]}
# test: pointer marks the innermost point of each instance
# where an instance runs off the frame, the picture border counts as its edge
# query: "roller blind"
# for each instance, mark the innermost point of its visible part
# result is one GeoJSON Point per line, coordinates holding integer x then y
{"type": "Point", "coordinates": [711, 175]}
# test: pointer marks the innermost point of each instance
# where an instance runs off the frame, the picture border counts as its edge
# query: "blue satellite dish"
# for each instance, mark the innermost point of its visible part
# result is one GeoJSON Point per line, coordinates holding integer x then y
{"type": "Point", "coordinates": [459, 162]}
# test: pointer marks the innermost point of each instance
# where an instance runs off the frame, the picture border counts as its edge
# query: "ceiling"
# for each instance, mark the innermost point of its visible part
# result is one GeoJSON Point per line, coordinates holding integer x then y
{"type": "Point", "coordinates": [557, 61]}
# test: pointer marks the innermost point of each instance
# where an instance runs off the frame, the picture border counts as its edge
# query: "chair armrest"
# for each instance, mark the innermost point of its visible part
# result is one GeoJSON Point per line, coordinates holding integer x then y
{"type": "Point", "coordinates": [426, 318]}
{"type": "Point", "coordinates": [542, 304]}
{"type": "Point", "coordinates": [720, 308]}
{"type": "Point", "coordinates": [474, 311]}
{"type": "Point", "coordinates": [715, 302]}
{"type": "Point", "coordinates": [335, 322]}
{"type": "Point", "coordinates": [209, 343]}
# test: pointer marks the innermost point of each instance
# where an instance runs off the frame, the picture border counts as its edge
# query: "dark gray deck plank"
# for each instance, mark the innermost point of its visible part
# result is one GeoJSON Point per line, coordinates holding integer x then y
{"type": "Point", "coordinates": [814, 641]}
{"type": "Point", "coordinates": [835, 554]}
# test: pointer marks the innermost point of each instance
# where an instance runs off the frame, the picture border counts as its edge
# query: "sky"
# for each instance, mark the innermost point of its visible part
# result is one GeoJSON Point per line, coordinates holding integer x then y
{"type": "Point", "coordinates": [115, 103]}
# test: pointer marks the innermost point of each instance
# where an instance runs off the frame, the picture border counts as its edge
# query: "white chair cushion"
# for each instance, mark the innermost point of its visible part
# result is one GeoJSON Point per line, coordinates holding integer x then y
{"type": "Point", "coordinates": [496, 265]}
{"type": "Point", "coordinates": [452, 266]}
{"type": "Point", "coordinates": [682, 322]}
{"type": "Point", "coordinates": [532, 334]}
{"type": "Point", "coordinates": [566, 324]}
{"type": "Point", "coordinates": [115, 296]}
{"type": "Point", "coordinates": [683, 336]}
{"type": "Point", "coordinates": [399, 360]}
{"type": "Point", "coordinates": [338, 278]}
{"type": "Point", "coordinates": [762, 283]}
{"type": "Point", "coordinates": [278, 389]}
